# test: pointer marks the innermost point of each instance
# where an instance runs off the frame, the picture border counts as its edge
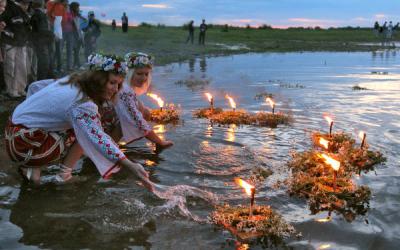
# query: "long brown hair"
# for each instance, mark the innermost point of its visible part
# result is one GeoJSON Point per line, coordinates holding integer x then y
{"type": "Point", "coordinates": [91, 83]}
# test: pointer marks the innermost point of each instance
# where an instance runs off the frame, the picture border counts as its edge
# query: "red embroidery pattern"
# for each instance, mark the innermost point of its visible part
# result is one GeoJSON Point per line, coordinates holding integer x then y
{"type": "Point", "coordinates": [90, 122]}
{"type": "Point", "coordinates": [129, 99]}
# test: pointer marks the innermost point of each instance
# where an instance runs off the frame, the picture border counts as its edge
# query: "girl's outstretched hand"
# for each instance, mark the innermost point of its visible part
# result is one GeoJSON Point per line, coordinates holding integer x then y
{"type": "Point", "coordinates": [166, 144]}
{"type": "Point", "coordinates": [139, 171]}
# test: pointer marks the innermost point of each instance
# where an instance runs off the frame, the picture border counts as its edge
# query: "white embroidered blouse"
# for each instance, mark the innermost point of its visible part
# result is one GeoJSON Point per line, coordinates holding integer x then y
{"type": "Point", "coordinates": [59, 107]}
{"type": "Point", "coordinates": [133, 125]}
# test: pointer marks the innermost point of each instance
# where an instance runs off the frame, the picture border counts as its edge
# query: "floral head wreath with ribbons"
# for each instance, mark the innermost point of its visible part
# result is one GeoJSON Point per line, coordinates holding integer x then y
{"type": "Point", "coordinates": [139, 60]}
{"type": "Point", "coordinates": [107, 63]}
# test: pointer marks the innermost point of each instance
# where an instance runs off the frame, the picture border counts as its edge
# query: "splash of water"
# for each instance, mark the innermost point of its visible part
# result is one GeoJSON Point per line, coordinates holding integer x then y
{"type": "Point", "coordinates": [176, 197]}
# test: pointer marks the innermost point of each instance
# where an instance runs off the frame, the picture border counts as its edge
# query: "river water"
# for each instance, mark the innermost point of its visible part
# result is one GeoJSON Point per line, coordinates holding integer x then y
{"type": "Point", "coordinates": [198, 171]}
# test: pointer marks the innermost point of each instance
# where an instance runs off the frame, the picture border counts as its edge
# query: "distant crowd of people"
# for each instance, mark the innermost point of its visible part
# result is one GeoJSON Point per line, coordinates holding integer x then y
{"type": "Point", "coordinates": [34, 36]}
{"type": "Point", "coordinates": [386, 31]}
{"type": "Point", "coordinates": [202, 32]}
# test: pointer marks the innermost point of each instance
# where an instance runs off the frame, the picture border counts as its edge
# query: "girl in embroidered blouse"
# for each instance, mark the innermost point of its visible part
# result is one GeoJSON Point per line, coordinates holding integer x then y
{"type": "Point", "coordinates": [62, 122]}
{"type": "Point", "coordinates": [132, 114]}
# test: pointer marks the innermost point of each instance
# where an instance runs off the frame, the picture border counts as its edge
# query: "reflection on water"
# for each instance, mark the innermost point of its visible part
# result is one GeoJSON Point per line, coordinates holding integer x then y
{"type": "Point", "coordinates": [199, 169]}
{"type": "Point", "coordinates": [192, 61]}
{"type": "Point", "coordinates": [203, 64]}
{"type": "Point", "coordinates": [230, 133]}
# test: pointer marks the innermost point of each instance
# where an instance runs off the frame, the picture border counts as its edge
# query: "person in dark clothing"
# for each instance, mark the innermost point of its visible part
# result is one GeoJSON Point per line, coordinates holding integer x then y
{"type": "Point", "coordinates": [78, 35]}
{"type": "Point", "coordinates": [124, 20]}
{"type": "Point", "coordinates": [15, 37]}
{"type": "Point", "coordinates": [202, 34]}
{"type": "Point", "coordinates": [42, 39]}
{"type": "Point", "coordinates": [3, 4]}
{"type": "Point", "coordinates": [92, 32]}
{"type": "Point", "coordinates": [376, 29]}
{"type": "Point", "coordinates": [113, 25]}
{"type": "Point", "coordinates": [191, 32]}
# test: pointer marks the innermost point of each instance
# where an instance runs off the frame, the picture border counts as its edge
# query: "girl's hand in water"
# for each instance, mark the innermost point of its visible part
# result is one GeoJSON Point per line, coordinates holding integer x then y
{"type": "Point", "coordinates": [163, 145]}
{"type": "Point", "coordinates": [144, 176]}
{"type": "Point", "coordinates": [139, 171]}
{"type": "Point", "coordinates": [166, 144]}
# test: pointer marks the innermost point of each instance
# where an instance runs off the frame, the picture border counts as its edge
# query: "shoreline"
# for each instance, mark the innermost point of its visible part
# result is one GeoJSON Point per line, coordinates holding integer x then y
{"type": "Point", "coordinates": [168, 45]}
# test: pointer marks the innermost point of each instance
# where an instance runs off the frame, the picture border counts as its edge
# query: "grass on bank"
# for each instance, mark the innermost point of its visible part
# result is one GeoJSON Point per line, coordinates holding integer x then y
{"type": "Point", "coordinates": [168, 43]}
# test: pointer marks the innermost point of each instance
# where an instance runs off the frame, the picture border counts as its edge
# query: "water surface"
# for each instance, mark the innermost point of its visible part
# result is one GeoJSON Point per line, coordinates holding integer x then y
{"type": "Point", "coordinates": [199, 170]}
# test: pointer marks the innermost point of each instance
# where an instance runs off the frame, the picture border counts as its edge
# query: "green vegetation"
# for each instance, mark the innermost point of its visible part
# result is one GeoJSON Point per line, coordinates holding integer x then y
{"type": "Point", "coordinates": [168, 43]}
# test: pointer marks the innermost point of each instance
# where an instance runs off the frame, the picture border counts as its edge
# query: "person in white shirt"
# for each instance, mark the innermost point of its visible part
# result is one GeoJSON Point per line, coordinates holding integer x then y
{"type": "Point", "coordinates": [130, 111]}
{"type": "Point", "coordinates": [61, 122]}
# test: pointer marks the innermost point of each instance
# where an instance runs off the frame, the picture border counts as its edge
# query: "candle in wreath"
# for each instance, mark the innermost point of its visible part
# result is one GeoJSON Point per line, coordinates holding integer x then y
{"type": "Point", "coordinates": [272, 104]}
{"type": "Point", "coordinates": [330, 122]}
{"type": "Point", "coordinates": [159, 101]}
{"type": "Point", "coordinates": [210, 100]}
{"type": "Point", "coordinates": [250, 191]}
{"type": "Point", "coordinates": [334, 164]}
{"type": "Point", "coordinates": [231, 102]}
{"type": "Point", "coordinates": [363, 136]}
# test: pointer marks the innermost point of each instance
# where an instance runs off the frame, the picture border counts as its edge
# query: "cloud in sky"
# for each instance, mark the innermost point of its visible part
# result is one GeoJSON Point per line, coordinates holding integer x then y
{"type": "Point", "coordinates": [309, 22]}
{"type": "Point", "coordinates": [156, 6]}
{"type": "Point", "coordinates": [282, 13]}
{"type": "Point", "coordinates": [380, 16]}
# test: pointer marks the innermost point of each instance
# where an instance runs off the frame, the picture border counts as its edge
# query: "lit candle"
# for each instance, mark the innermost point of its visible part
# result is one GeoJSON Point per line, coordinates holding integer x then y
{"type": "Point", "coordinates": [231, 102]}
{"type": "Point", "coordinates": [160, 102]}
{"type": "Point", "coordinates": [335, 166]}
{"type": "Point", "coordinates": [324, 143]}
{"type": "Point", "coordinates": [330, 122]}
{"type": "Point", "coordinates": [363, 136]}
{"type": "Point", "coordinates": [272, 104]}
{"type": "Point", "coordinates": [250, 190]}
{"type": "Point", "coordinates": [210, 99]}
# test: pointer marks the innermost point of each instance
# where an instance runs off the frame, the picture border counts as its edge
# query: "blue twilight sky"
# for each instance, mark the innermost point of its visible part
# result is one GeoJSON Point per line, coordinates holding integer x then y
{"type": "Point", "coordinates": [278, 13]}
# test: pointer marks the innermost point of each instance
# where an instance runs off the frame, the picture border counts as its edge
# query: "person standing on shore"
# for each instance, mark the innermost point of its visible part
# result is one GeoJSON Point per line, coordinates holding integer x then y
{"type": "Point", "coordinates": [92, 32]}
{"type": "Point", "coordinates": [42, 39]}
{"type": "Point", "coordinates": [113, 25]}
{"type": "Point", "coordinates": [125, 22]}
{"type": "Point", "coordinates": [3, 4]}
{"type": "Point", "coordinates": [191, 32]}
{"type": "Point", "coordinates": [15, 37]}
{"type": "Point", "coordinates": [78, 34]}
{"type": "Point", "coordinates": [69, 38]}
{"type": "Point", "coordinates": [389, 32]}
{"type": "Point", "coordinates": [202, 34]}
{"type": "Point", "coordinates": [376, 29]}
{"type": "Point", "coordinates": [55, 12]}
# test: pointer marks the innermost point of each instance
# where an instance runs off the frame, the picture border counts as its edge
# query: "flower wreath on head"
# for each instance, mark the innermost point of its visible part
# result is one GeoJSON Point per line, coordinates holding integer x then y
{"type": "Point", "coordinates": [108, 63]}
{"type": "Point", "coordinates": [139, 60]}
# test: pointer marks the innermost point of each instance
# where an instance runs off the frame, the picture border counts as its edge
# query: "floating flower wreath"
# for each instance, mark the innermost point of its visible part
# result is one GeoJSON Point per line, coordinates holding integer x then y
{"type": "Point", "coordinates": [139, 60]}
{"type": "Point", "coordinates": [100, 62]}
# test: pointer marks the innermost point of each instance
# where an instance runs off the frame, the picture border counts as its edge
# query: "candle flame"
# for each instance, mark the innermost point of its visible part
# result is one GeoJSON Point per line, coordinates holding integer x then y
{"type": "Point", "coordinates": [247, 187]}
{"type": "Point", "coordinates": [324, 142]}
{"type": "Point", "coordinates": [231, 101]}
{"type": "Point", "coordinates": [122, 143]}
{"type": "Point", "coordinates": [324, 246]}
{"type": "Point", "coordinates": [209, 96]}
{"type": "Point", "coordinates": [328, 119]}
{"type": "Point", "coordinates": [361, 134]}
{"type": "Point", "coordinates": [332, 162]}
{"type": "Point", "coordinates": [271, 103]}
{"type": "Point", "coordinates": [149, 163]}
{"type": "Point", "coordinates": [157, 98]}
{"type": "Point", "coordinates": [324, 220]}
